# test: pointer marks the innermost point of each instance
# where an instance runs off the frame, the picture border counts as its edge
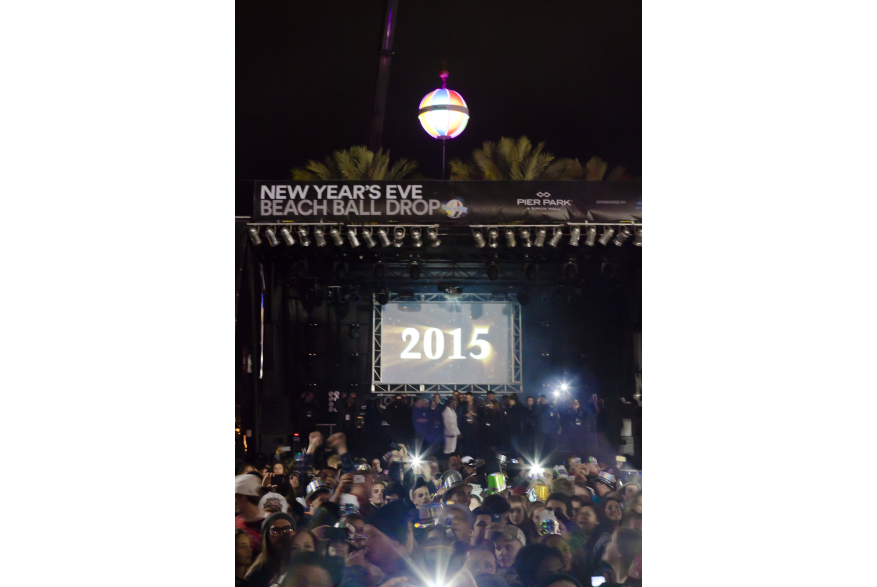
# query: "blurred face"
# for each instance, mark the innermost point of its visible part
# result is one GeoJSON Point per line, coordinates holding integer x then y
{"type": "Point", "coordinates": [587, 519]}
{"type": "Point", "coordinates": [303, 543]}
{"type": "Point", "coordinates": [576, 504]}
{"type": "Point", "coordinates": [436, 398]}
{"type": "Point", "coordinates": [543, 400]}
{"type": "Point", "coordinates": [549, 566]}
{"type": "Point", "coordinates": [310, 576]}
{"type": "Point", "coordinates": [377, 495]}
{"type": "Point", "coordinates": [530, 401]}
{"type": "Point", "coordinates": [613, 510]}
{"type": "Point", "coordinates": [517, 514]}
{"type": "Point", "coordinates": [481, 523]}
{"type": "Point", "coordinates": [294, 481]}
{"type": "Point", "coordinates": [480, 561]}
{"type": "Point", "coordinates": [460, 526]}
{"type": "Point", "coordinates": [556, 506]}
{"type": "Point", "coordinates": [506, 551]}
{"type": "Point", "coordinates": [280, 535]}
{"type": "Point", "coordinates": [565, 551]}
{"type": "Point", "coordinates": [534, 515]}
{"type": "Point", "coordinates": [376, 466]}
{"type": "Point", "coordinates": [421, 496]}
{"type": "Point", "coordinates": [278, 469]}
{"type": "Point", "coordinates": [461, 495]}
{"type": "Point", "coordinates": [243, 553]}
{"type": "Point", "coordinates": [637, 504]}
{"type": "Point", "coordinates": [328, 478]}
{"type": "Point", "coordinates": [318, 500]}
{"type": "Point", "coordinates": [629, 492]}
{"type": "Point", "coordinates": [391, 498]}
{"type": "Point", "coordinates": [339, 548]}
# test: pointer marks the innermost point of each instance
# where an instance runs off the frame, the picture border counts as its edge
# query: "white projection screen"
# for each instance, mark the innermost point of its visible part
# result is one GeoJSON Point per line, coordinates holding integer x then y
{"type": "Point", "coordinates": [447, 342]}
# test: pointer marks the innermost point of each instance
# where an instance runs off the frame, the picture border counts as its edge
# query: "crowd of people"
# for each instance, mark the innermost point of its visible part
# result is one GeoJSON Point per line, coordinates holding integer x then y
{"type": "Point", "coordinates": [435, 516]}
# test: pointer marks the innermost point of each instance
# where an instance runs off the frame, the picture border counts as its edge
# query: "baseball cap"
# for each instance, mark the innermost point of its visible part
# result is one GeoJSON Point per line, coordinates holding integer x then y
{"type": "Point", "coordinates": [247, 485]}
{"type": "Point", "coordinates": [509, 533]}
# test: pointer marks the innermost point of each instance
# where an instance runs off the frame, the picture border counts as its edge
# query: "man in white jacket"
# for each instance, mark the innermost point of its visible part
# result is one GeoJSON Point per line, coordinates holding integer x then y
{"type": "Point", "coordinates": [452, 432]}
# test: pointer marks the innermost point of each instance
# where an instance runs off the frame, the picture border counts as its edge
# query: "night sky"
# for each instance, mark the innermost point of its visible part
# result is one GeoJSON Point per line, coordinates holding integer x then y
{"type": "Point", "coordinates": [564, 72]}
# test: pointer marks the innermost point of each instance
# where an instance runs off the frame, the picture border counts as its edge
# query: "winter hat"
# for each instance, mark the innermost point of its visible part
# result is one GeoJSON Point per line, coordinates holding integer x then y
{"type": "Point", "coordinates": [509, 533]}
{"type": "Point", "coordinates": [269, 521]}
{"type": "Point", "coordinates": [247, 485]}
{"type": "Point", "coordinates": [606, 478]}
{"type": "Point", "coordinates": [392, 520]}
{"type": "Point", "coordinates": [273, 500]}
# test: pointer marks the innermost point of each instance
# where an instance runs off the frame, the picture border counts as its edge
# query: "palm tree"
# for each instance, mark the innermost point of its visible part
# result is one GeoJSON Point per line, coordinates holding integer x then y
{"type": "Point", "coordinates": [519, 160]}
{"type": "Point", "coordinates": [356, 163]}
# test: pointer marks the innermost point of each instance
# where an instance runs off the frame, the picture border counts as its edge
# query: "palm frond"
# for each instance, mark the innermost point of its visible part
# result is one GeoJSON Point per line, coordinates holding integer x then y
{"type": "Point", "coordinates": [537, 165]}
{"type": "Point", "coordinates": [564, 169]}
{"type": "Point", "coordinates": [596, 169]}
{"type": "Point", "coordinates": [460, 170]}
{"type": "Point", "coordinates": [617, 174]}
{"type": "Point", "coordinates": [401, 169]}
{"type": "Point", "coordinates": [346, 166]}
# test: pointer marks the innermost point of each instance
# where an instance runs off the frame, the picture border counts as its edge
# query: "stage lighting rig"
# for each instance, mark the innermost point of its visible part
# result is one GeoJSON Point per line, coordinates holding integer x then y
{"type": "Point", "coordinates": [492, 238]}
{"type": "Point", "coordinates": [415, 237]}
{"type": "Point", "coordinates": [287, 236]}
{"type": "Point", "coordinates": [383, 297]}
{"type": "Point", "coordinates": [591, 235]}
{"type": "Point", "coordinates": [541, 232]}
{"type": "Point", "coordinates": [382, 236]}
{"type": "Point", "coordinates": [607, 234]}
{"type": "Point", "coordinates": [638, 239]}
{"type": "Point", "coordinates": [254, 235]}
{"type": "Point", "coordinates": [574, 234]}
{"type": "Point", "coordinates": [555, 238]}
{"type": "Point", "coordinates": [479, 239]}
{"type": "Point", "coordinates": [414, 269]}
{"type": "Point", "coordinates": [351, 236]}
{"type": "Point", "coordinates": [379, 270]}
{"type": "Point", "coordinates": [623, 234]}
{"type": "Point", "coordinates": [531, 270]}
{"type": "Point", "coordinates": [570, 270]}
{"type": "Point", "coordinates": [272, 238]}
{"type": "Point", "coordinates": [492, 271]}
{"type": "Point", "coordinates": [398, 237]}
{"type": "Point", "coordinates": [510, 237]}
{"type": "Point", "coordinates": [525, 238]}
{"type": "Point", "coordinates": [432, 236]}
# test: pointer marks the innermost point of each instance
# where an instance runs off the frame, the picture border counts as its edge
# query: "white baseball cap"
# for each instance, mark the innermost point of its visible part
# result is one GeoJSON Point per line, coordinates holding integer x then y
{"type": "Point", "coordinates": [247, 485]}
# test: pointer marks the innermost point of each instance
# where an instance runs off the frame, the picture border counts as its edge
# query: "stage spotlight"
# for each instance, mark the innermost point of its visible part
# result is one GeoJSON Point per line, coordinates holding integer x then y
{"type": "Point", "coordinates": [368, 238]}
{"type": "Point", "coordinates": [540, 236]}
{"type": "Point", "coordinates": [415, 238]}
{"type": "Point", "coordinates": [570, 270]}
{"type": "Point", "coordinates": [432, 236]}
{"type": "Point", "coordinates": [638, 239]}
{"type": "Point", "coordinates": [414, 269]}
{"type": "Point", "coordinates": [623, 234]}
{"type": "Point", "coordinates": [591, 235]}
{"type": "Point", "coordinates": [354, 331]}
{"type": "Point", "coordinates": [287, 236]}
{"type": "Point", "coordinates": [383, 297]}
{"type": "Point", "coordinates": [555, 238]}
{"type": "Point", "coordinates": [254, 235]}
{"type": "Point", "coordinates": [492, 238]}
{"type": "Point", "coordinates": [336, 236]}
{"type": "Point", "coordinates": [303, 236]}
{"type": "Point", "coordinates": [479, 239]}
{"type": "Point", "coordinates": [382, 236]}
{"type": "Point", "coordinates": [574, 234]}
{"type": "Point", "coordinates": [564, 386]}
{"type": "Point", "coordinates": [272, 238]}
{"type": "Point", "coordinates": [398, 237]}
{"type": "Point", "coordinates": [510, 237]}
{"type": "Point", "coordinates": [319, 236]}
{"type": "Point", "coordinates": [607, 234]}
{"type": "Point", "coordinates": [492, 271]}
{"type": "Point", "coordinates": [525, 237]}
{"type": "Point", "coordinates": [531, 270]}
{"type": "Point", "coordinates": [351, 236]}
{"type": "Point", "coordinates": [452, 290]}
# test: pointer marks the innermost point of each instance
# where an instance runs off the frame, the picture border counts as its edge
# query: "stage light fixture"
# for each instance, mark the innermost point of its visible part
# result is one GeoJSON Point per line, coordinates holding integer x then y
{"type": "Point", "coordinates": [383, 297]}
{"type": "Point", "coordinates": [492, 271]}
{"type": "Point", "coordinates": [254, 235]}
{"type": "Point", "coordinates": [555, 238]}
{"type": "Point", "coordinates": [590, 235]}
{"type": "Point", "coordinates": [382, 236]}
{"type": "Point", "coordinates": [351, 236]}
{"type": "Point", "coordinates": [272, 238]}
{"type": "Point", "coordinates": [453, 290]}
{"type": "Point", "coordinates": [479, 239]}
{"type": "Point", "coordinates": [607, 234]}
{"type": "Point", "coordinates": [368, 238]}
{"type": "Point", "coordinates": [623, 234]}
{"type": "Point", "coordinates": [319, 236]}
{"type": "Point", "coordinates": [398, 237]}
{"type": "Point", "coordinates": [303, 236]}
{"type": "Point", "coordinates": [379, 270]}
{"type": "Point", "coordinates": [287, 236]}
{"type": "Point", "coordinates": [432, 236]}
{"type": "Point", "coordinates": [570, 270]}
{"type": "Point", "coordinates": [414, 269]}
{"type": "Point", "coordinates": [336, 236]}
{"type": "Point", "coordinates": [531, 270]}
{"type": "Point", "coordinates": [525, 238]}
{"type": "Point", "coordinates": [510, 237]}
{"type": "Point", "coordinates": [415, 238]}
{"type": "Point", "coordinates": [540, 236]}
{"type": "Point", "coordinates": [638, 239]}
{"type": "Point", "coordinates": [406, 292]}
{"type": "Point", "coordinates": [354, 331]}
{"type": "Point", "coordinates": [574, 234]}
{"type": "Point", "coordinates": [492, 238]}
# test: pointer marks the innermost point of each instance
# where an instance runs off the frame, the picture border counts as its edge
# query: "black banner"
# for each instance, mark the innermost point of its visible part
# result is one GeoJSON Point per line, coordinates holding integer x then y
{"type": "Point", "coordinates": [464, 202]}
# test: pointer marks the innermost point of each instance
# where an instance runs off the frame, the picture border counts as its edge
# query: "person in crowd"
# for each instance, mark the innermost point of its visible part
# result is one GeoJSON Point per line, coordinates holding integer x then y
{"type": "Point", "coordinates": [481, 559]}
{"type": "Point", "coordinates": [276, 549]}
{"type": "Point", "coordinates": [395, 492]}
{"type": "Point", "coordinates": [498, 505]}
{"type": "Point", "coordinates": [388, 553]}
{"type": "Point", "coordinates": [468, 424]}
{"type": "Point", "coordinates": [560, 580]}
{"type": "Point", "coordinates": [547, 427]}
{"type": "Point", "coordinates": [517, 509]}
{"type": "Point", "coordinates": [357, 524]}
{"type": "Point", "coordinates": [374, 429]}
{"type": "Point", "coordinates": [516, 424]}
{"type": "Point", "coordinates": [419, 494]}
{"type": "Point", "coordinates": [348, 412]}
{"type": "Point", "coordinates": [248, 516]}
{"type": "Point", "coordinates": [635, 504]}
{"type": "Point", "coordinates": [624, 555]}
{"type": "Point", "coordinates": [376, 495]}
{"type": "Point", "coordinates": [629, 491]}
{"type": "Point", "coordinates": [507, 542]}
{"type": "Point", "coordinates": [534, 562]}
{"type": "Point", "coordinates": [459, 520]}
{"type": "Point", "coordinates": [576, 501]}
{"type": "Point", "coordinates": [557, 542]}
{"type": "Point", "coordinates": [277, 480]}
{"type": "Point", "coordinates": [559, 503]}
{"type": "Point", "coordinates": [483, 519]}
{"type": "Point", "coordinates": [456, 489]}
{"type": "Point", "coordinates": [452, 431]}
{"type": "Point", "coordinates": [243, 554]}
{"type": "Point", "coordinates": [306, 569]}
{"type": "Point", "coordinates": [304, 541]}
{"type": "Point", "coordinates": [490, 423]}
{"type": "Point", "coordinates": [536, 508]}
{"type": "Point", "coordinates": [271, 503]}
{"type": "Point", "coordinates": [612, 510]}
{"type": "Point", "coordinates": [564, 485]}
{"type": "Point", "coordinates": [603, 483]}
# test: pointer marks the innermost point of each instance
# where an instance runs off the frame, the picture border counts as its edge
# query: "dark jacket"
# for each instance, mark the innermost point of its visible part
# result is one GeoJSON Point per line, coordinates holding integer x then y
{"type": "Point", "coordinates": [516, 420]}
{"type": "Point", "coordinates": [548, 419]}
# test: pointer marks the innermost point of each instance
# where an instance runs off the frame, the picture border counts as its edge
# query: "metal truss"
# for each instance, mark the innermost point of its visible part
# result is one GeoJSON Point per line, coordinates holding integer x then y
{"type": "Point", "coordinates": [379, 388]}
{"type": "Point", "coordinates": [452, 270]}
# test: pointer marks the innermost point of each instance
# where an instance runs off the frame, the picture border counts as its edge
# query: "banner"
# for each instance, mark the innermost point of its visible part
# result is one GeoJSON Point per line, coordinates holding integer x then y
{"type": "Point", "coordinates": [463, 202]}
